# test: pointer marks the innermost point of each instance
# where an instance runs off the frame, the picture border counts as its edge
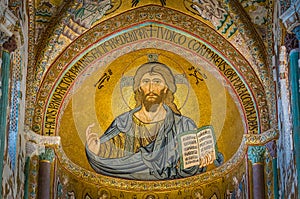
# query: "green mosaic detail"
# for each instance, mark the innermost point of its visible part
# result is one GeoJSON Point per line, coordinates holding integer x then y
{"type": "Point", "coordinates": [47, 155]}
{"type": "Point", "coordinates": [256, 154]}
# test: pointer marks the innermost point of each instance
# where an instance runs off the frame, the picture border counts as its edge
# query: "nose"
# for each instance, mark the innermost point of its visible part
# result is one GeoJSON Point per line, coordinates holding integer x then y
{"type": "Point", "coordinates": [151, 86]}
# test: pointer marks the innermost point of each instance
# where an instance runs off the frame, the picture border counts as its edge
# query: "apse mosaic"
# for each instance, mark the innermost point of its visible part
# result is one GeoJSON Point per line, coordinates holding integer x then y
{"type": "Point", "coordinates": [148, 106]}
{"type": "Point", "coordinates": [149, 109]}
{"type": "Point", "coordinates": [111, 103]}
{"type": "Point", "coordinates": [104, 100]}
{"type": "Point", "coordinates": [152, 103]}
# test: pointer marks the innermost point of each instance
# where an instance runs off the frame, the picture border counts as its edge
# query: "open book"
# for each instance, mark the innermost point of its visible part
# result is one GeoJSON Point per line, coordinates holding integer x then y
{"type": "Point", "coordinates": [197, 147]}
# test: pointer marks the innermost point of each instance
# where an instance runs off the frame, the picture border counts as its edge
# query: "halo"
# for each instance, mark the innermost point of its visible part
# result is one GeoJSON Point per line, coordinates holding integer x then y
{"type": "Point", "coordinates": [127, 81]}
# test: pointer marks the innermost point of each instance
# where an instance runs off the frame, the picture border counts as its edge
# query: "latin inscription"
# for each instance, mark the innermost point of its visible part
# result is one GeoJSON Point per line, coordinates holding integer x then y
{"type": "Point", "coordinates": [143, 33]}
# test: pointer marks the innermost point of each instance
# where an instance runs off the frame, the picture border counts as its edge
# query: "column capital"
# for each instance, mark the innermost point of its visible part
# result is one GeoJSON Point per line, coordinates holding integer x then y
{"type": "Point", "coordinates": [256, 154]}
{"type": "Point", "coordinates": [48, 155]}
{"type": "Point", "coordinates": [7, 22]}
{"type": "Point", "coordinates": [10, 45]}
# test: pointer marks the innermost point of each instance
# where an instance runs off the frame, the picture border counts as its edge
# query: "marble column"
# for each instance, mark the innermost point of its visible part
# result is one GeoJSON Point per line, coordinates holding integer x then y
{"type": "Point", "coordinates": [256, 156]}
{"type": "Point", "coordinates": [294, 77]}
{"type": "Point", "coordinates": [36, 146]}
{"type": "Point", "coordinates": [272, 148]}
{"type": "Point", "coordinates": [8, 47]}
{"type": "Point", "coordinates": [44, 178]}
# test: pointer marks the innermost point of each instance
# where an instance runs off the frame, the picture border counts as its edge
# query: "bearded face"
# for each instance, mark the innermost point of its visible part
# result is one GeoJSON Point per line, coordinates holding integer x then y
{"type": "Point", "coordinates": [153, 88]}
{"type": "Point", "coordinates": [151, 101]}
{"type": "Point", "coordinates": [151, 91]}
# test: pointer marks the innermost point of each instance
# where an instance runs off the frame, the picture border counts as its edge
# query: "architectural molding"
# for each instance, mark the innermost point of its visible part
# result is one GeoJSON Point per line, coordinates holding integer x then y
{"type": "Point", "coordinates": [261, 139]}
{"type": "Point", "coordinates": [7, 23]}
{"type": "Point", "coordinates": [36, 144]}
{"type": "Point", "coordinates": [290, 18]}
{"type": "Point", "coordinates": [46, 140]}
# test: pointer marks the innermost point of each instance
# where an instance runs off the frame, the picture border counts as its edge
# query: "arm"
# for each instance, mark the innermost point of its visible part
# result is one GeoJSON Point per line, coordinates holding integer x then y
{"type": "Point", "coordinates": [112, 148]}
{"type": "Point", "coordinates": [92, 140]}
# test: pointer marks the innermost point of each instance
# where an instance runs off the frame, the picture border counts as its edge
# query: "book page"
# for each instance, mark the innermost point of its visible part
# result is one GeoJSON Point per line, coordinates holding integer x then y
{"type": "Point", "coordinates": [206, 144]}
{"type": "Point", "coordinates": [189, 149]}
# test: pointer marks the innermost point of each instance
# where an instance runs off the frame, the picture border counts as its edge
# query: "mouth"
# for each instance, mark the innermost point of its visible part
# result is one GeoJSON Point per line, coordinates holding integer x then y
{"type": "Point", "coordinates": [151, 96]}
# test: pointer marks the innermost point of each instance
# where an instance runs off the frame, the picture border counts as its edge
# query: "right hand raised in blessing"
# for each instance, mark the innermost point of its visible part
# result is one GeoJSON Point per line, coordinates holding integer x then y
{"type": "Point", "coordinates": [92, 140]}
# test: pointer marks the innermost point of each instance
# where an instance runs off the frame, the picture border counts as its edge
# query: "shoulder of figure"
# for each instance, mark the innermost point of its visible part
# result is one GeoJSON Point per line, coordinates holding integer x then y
{"type": "Point", "coordinates": [124, 121]}
{"type": "Point", "coordinates": [183, 119]}
{"type": "Point", "coordinates": [128, 113]}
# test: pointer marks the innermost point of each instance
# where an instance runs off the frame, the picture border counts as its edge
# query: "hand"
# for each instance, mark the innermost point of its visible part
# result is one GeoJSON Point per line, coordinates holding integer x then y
{"type": "Point", "coordinates": [92, 140]}
{"type": "Point", "coordinates": [206, 160]}
{"type": "Point", "coordinates": [134, 2]}
{"type": "Point", "coordinates": [163, 2]}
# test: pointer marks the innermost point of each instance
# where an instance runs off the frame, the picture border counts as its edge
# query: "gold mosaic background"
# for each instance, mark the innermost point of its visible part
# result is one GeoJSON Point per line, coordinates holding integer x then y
{"type": "Point", "coordinates": [209, 102]}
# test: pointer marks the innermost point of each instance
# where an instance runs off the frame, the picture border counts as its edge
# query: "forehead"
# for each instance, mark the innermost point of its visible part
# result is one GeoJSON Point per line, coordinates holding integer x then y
{"type": "Point", "coordinates": [152, 75]}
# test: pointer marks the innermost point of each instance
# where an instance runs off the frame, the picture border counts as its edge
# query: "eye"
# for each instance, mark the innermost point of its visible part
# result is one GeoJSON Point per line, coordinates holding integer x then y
{"type": "Point", "coordinates": [156, 81]}
{"type": "Point", "coordinates": [145, 81]}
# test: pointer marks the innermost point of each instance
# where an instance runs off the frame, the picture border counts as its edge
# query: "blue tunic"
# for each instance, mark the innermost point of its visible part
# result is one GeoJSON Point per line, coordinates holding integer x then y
{"type": "Point", "coordinates": [158, 160]}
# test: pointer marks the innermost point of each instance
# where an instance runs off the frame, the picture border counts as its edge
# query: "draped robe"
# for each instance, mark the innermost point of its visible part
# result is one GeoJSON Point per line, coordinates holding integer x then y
{"type": "Point", "coordinates": [157, 160]}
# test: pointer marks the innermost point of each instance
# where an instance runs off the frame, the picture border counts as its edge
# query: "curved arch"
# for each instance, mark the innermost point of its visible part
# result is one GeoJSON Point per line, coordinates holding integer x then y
{"type": "Point", "coordinates": [259, 68]}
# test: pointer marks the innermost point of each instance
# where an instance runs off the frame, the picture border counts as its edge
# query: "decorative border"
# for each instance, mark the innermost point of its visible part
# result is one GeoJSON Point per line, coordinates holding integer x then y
{"type": "Point", "coordinates": [134, 185]}
{"type": "Point", "coordinates": [191, 56]}
{"type": "Point", "coordinates": [261, 139]}
{"type": "Point", "coordinates": [166, 185]}
{"type": "Point", "coordinates": [207, 34]}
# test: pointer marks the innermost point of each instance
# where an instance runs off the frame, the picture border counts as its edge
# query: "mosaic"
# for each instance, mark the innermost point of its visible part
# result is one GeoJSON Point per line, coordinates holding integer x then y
{"type": "Point", "coordinates": [242, 65]}
{"type": "Point", "coordinates": [185, 23]}
{"type": "Point", "coordinates": [154, 94]}
{"type": "Point", "coordinates": [14, 111]}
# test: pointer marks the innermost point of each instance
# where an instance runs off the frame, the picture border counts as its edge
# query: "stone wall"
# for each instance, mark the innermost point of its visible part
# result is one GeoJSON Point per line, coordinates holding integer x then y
{"type": "Point", "coordinates": [285, 44]}
{"type": "Point", "coordinates": [14, 45]}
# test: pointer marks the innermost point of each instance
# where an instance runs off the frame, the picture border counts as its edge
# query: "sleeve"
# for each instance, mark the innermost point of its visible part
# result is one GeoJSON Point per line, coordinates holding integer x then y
{"type": "Point", "coordinates": [113, 148]}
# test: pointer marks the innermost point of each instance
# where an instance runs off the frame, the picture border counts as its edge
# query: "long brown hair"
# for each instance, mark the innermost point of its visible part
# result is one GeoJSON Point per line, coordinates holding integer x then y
{"type": "Point", "coordinates": [154, 67]}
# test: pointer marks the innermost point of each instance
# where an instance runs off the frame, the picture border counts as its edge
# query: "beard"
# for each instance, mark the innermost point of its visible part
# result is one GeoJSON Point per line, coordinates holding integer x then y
{"type": "Point", "coordinates": [152, 101]}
